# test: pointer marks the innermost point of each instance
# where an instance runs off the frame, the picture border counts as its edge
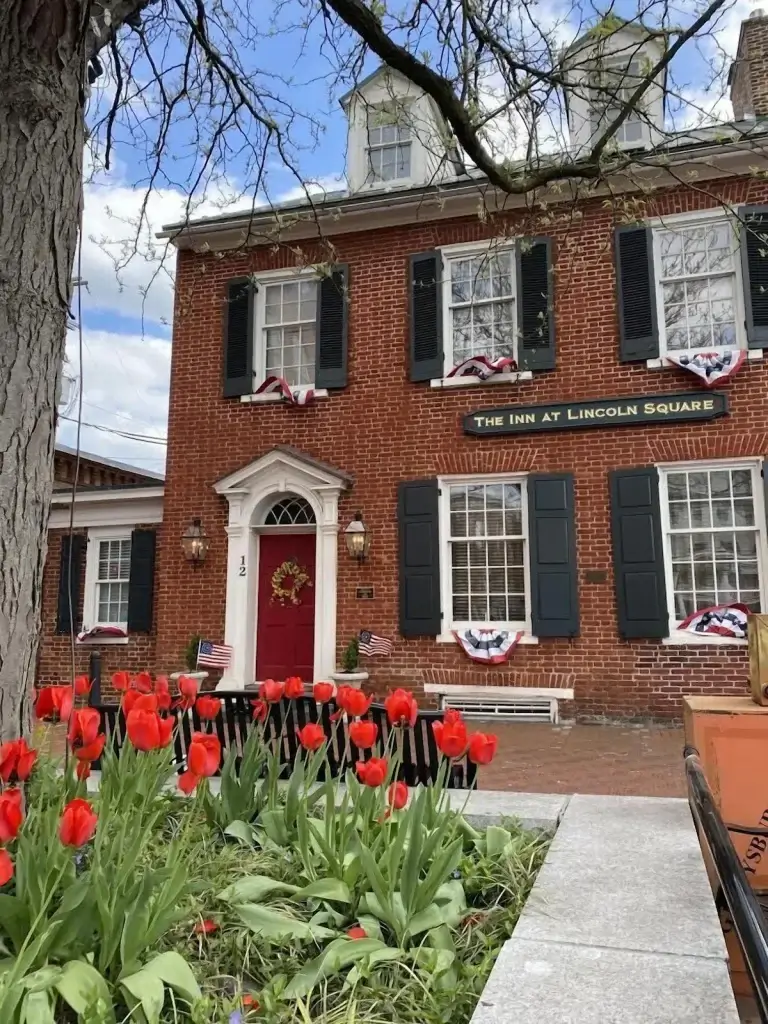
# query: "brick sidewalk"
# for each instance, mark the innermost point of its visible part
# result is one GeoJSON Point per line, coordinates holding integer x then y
{"type": "Point", "coordinates": [606, 759]}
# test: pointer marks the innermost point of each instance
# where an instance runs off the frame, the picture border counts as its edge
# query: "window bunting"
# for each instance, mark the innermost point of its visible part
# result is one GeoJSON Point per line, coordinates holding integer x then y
{"type": "Point", "coordinates": [491, 646]}
{"type": "Point", "coordinates": [101, 633]}
{"type": "Point", "coordinates": [711, 368]}
{"type": "Point", "coordinates": [483, 367]}
{"type": "Point", "coordinates": [719, 620]}
{"type": "Point", "coordinates": [294, 396]}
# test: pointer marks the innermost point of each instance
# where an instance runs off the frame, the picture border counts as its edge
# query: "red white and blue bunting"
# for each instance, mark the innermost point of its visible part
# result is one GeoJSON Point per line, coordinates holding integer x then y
{"type": "Point", "coordinates": [492, 646]}
{"type": "Point", "coordinates": [483, 367]}
{"type": "Point", "coordinates": [101, 633]}
{"type": "Point", "coordinates": [294, 396]}
{"type": "Point", "coordinates": [719, 620]}
{"type": "Point", "coordinates": [711, 368]}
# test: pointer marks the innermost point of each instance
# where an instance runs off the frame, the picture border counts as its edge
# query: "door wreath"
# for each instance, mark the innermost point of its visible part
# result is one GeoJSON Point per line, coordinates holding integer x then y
{"type": "Point", "coordinates": [288, 579]}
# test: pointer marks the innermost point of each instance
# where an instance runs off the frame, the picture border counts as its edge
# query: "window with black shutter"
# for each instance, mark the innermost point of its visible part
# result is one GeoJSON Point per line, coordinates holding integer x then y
{"type": "Point", "coordinates": [332, 329]}
{"type": "Point", "coordinates": [554, 582]}
{"type": "Point", "coordinates": [141, 588]}
{"type": "Point", "coordinates": [535, 305]}
{"type": "Point", "coordinates": [636, 294]}
{"type": "Point", "coordinates": [426, 318]}
{"type": "Point", "coordinates": [419, 541]}
{"type": "Point", "coordinates": [238, 337]}
{"type": "Point", "coordinates": [70, 571]}
{"type": "Point", "coordinates": [754, 264]}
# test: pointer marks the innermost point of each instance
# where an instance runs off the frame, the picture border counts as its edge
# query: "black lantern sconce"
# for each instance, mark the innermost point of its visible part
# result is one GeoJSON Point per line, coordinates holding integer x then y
{"type": "Point", "coordinates": [195, 542]}
{"type": "Point", "coordinates": [358, 538]}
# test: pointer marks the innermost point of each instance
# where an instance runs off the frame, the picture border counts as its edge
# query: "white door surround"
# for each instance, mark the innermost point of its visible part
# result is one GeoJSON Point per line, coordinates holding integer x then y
{"type": "Point", "coordinates": [251, 492]}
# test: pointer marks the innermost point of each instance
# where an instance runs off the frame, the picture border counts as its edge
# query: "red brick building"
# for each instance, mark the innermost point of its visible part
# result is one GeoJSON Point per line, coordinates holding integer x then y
{"type": "Point", "coordinates": [589, 497]}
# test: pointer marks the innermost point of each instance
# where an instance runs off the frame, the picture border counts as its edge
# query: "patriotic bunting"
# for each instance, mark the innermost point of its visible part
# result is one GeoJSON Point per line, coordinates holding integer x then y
{"type": "Point", "coordinates": [719, 620]}
{"type": "Point", "coordinates": [483, 367]}
{"type": "Point", "coordinates": [492, 646]}
{"type": "Point", "coordinates": [710, 368]}
{"type": "Point", "coordinates": [101, 633]}
{"type": "Point", "coordinates": [294, 396]}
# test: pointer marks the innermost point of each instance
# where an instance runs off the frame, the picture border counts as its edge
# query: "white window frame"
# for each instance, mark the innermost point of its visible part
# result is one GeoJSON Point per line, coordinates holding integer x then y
{"type": "Point", "coordinates": [601, 101]}
{"type": "Point", "coordinates": [406, 106]}
{"type": "Point", "coordinates": [90, 599]}
{"type": "Point", "coordinates": [457, 251]}
{"type": "Point", "coordinates": [689, 220]}
{"type": "Point", "coordinates": [754, 465]}
{"type": "Point", "coordinates": [446, 583]}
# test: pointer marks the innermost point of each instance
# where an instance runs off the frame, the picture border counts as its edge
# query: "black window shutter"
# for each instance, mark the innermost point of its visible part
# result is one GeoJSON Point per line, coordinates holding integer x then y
{"type": "Point", "coordinates": [142, 584]}
{"type": "Point", "coordinates": [636, 294]}
{"type": "Point", "coordinates": [70, 571]}
{"type": "Point", "coordinates": [535, 304]}
{"type": "Point", "coordinates": [554, 583]}
{"type": "Point", "coordinates": [332, 328]}
{"type": "Point", "coordinates": [417, 515]}
{"type": "Point", "coordinates": [754, 265]}
{"type": "Point", "coordinates": [426, 270]}
{"type": "Point", "coordinates": [638, 556]}
{"type": "Point", "coordinates": [238, 337]}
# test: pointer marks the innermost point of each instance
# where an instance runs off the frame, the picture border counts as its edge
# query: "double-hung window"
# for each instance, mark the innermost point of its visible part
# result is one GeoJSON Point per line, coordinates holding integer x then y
{"type": "Point", "coordinates": [615, 85]}
{"type": "Point", "coordinates": [484, 537]}
{"type": "Point", "coordinates": [698, 285]}
{"type": "Point", "coordinates": [714, 540]}
{"type": "Point", "coordinates": [108, 574]}
{"type": "Point", "coordinates": [286, 329]}
{"type": "Point", "coordinates": [389, 143]}
{"type": "Point", "coordinates": [479, 303]}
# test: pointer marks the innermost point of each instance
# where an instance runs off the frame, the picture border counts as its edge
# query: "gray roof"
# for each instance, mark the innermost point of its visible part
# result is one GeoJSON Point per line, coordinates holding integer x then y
{"type": "Point", "coordinates": [111, 463]}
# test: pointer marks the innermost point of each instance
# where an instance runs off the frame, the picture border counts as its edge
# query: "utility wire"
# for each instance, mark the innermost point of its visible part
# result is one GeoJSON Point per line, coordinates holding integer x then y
{"type": "Point", "coordinates": [129, 435]}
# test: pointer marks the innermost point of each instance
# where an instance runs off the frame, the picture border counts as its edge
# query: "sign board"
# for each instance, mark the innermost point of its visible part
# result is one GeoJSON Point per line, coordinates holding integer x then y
{"type": "Point", "coordinates": [364, 593]}
{"type": "Point", "coordinates": [633, 411]}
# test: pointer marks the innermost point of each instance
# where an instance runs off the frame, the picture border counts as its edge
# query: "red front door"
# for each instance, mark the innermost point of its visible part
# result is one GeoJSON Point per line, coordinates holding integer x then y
{"type": "Point", "coordinates": [285, 634]}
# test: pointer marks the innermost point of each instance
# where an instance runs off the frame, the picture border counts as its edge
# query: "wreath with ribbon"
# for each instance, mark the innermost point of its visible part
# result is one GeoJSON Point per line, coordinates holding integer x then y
{"type": "Point", "coordinates": [288, 580]}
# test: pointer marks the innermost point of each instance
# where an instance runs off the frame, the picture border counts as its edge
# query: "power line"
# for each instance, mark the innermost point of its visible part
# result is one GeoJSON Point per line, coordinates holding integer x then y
{"type": "Point", "coordinates": [146, 438]}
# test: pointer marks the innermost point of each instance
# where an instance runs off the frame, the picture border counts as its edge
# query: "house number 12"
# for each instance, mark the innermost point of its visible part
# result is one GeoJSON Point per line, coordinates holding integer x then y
{"type": "Point", "coordinates": [241, 570]}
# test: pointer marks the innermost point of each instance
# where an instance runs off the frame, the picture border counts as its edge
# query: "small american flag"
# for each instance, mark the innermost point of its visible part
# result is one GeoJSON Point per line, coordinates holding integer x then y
{"type": "Point", "coordinates": [213, 655]}
{"type": "Point", "coordinates": [371, 644]}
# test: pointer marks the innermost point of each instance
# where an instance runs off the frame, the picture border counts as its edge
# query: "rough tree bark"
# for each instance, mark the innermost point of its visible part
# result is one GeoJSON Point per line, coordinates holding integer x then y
{"type": "Point", "coordinates": [41, 152]}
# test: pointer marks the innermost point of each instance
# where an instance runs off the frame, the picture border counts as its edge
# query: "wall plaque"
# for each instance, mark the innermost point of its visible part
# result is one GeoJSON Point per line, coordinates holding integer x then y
{"type": "Point", "coordinates": [633, 411]}
{"type": "Point", "coordinates": [364, 593]}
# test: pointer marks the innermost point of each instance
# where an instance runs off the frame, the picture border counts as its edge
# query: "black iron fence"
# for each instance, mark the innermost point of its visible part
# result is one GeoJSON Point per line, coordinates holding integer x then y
{"type": "Point", "coordinates": [749, 924]}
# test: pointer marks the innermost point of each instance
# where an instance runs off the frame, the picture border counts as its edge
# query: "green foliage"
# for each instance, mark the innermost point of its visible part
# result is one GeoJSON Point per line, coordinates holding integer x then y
{"type": "Point", "coordinates": [350, 659]}
{"type": "Point", "coordinates": [191, 651]}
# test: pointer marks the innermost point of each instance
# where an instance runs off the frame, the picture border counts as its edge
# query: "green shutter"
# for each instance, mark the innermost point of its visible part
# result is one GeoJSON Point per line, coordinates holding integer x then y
{"type": "Point", "coordinates": [141, 587]}
{"type": "Point", "coordinates": [638, 556]}
{"type": "Point", "coordinates": [332, 328]}
{"type": "Point", "coordinates": [754, 263]}
{"type": "Point", "coordinates": [636, 294]}
{"type": "Point", "coordinates": [554, 582]}
{"type": "Point", "coordinates": [535, 304]}
{"type": "Point", "coordinates": [417, 514]}
{"type": "Point", "coordinates": [238, 337]}
{"type": "Point", "coordinates": [426, 315]}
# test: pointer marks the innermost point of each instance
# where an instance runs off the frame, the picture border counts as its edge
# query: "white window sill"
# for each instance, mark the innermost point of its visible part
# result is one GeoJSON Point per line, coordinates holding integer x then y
{"type": "Point", "coordinates": [662, 362]}
{"type": "Point", "coordinates": [680, 638]}
{"type": "Point", "coordinates": [277, 396]}
{"type": "Point", "coordinates": [449, 638]}
{"type": "Point", "coordinates": [107, 641]}
{"type": "Point", "coordinates": [470, 381]}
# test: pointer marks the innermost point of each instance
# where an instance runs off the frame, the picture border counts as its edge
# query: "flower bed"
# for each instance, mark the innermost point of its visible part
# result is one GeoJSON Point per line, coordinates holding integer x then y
{"type": "Point", "coordinates": [157, 900]}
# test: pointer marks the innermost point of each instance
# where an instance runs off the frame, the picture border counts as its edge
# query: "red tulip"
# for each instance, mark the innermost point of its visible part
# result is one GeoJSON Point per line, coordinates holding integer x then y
{"type": "Point", "coordinates": [143, 682]}
{"type": "Point", "coordinates": [353, 701]}
{"type": "Point", "coordinates": [294, 687]}
{"type": "Point", "coordinates": [204, 754]}
{"type": "Point", "coordinates": [83, 770]}
{"type": "Point", "coordinates": [208, 708]}
{"type": "Point", "coordinates": [91, 752]}
{"type": "Point", "coordinates": [146, 702]}
{"type": "Point", "coordinates": [163, 693]}
{"type": "Point", "coordinates": [482, 747]}
{"type": "Point", "coordinates": [322, 692]}
{"type": "Point", "coordinates": [129, 699]}
{"type": "Point", "coordinates": [121, 680]}
{"type": "Point", "coordinates": [78, 823]}
{"type": "Point", "coordinates": [372, 773]}
{"type": "Point", "coordinates": [188, 691]}
{"type": "Point", "coordinates": [271, 691]}
{"type": "Point", "coordinates": [187, 782]}
{"type": "Point", "coordinates": [397, 796]}
{"type": "Point", "coordinates": [363, 734]}
{"type": "Point", "coordinates": [147, 730]}
{"type": "Point", "coordinates": [357, 933]}
{"type": "Point", "coordinates": [11, 814]}
{"type": "Point", "coordinates": [6, 867]}
{"type": "Point", "coordinates": [250, 1003]}
{"type": "Point", "coordinates": [402, 708]}
{"type": "Point", "coordinates": [206, 927]}
{"type": "Point", "coordinates": [451, 716]}
{"type": "Point", "coordinates": [55, 703]}
{"type": "Point", "coordinates": [451, 737]}
{"type": "Point", "coordinates": [82, 686]}
{"type": "Point", "coordinates": [311, 737]}
{"type": "Point", "coordinates": [84, 726]}
{"type": "Point", "coordinates": [16, 761]}
{"type": "Point", "coordinates": [260, 710]}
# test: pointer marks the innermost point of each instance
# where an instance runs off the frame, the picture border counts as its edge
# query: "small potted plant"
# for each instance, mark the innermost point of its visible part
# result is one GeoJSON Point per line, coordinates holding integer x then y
{"type": "Point", "coordinates": [350, 674]}
{"type": "Point", "coordinates": [190, 660]}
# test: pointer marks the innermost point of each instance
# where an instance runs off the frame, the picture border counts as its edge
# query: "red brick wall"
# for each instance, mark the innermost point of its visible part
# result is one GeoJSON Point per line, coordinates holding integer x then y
{"type": "Point", "coordinates": [383, 429]}
{"type": "Point", "coordinates": [749, 83]}
{"type": "Point", "coordinates": [54, 663]}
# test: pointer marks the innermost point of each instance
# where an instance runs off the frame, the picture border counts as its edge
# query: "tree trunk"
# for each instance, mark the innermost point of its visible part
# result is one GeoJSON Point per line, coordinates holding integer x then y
{"type": "Point", "coordinates": [41, 146]}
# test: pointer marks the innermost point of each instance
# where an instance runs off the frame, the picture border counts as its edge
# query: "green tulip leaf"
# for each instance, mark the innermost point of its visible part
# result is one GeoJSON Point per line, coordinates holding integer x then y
{"type": "Point", "coordinates": [325, 889]}
{"type": "Point", "coordinates": [276, 927]}
{"type": "Point", "coordinates": [241, 831]}
{"type": "Point", "coordinates": [496, 839]}
{"type": "Point", "coordinates": [80, 985]}
{"type": "Point", "coordinates": [253, 888]}
{"type": "Point", "coordinates": [37, 1008]}
{"type": "Point", "coordinates": [148, 991]}
{"type": "Point", "coordinates": [337, 955]}
{"type": "Point", "coordinates": [172, 969]}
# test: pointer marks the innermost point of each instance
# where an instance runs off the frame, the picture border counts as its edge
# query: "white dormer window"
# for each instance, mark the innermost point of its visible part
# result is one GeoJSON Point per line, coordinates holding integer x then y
{"type": "Point", "coordinates": [617, 83]}
{"type": "Point", "coordinates": [389, 143]}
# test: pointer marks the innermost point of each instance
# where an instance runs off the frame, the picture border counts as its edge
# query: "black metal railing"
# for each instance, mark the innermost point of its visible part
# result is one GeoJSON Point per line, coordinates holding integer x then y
{"type": "Point", "coordinates": [749, 925]}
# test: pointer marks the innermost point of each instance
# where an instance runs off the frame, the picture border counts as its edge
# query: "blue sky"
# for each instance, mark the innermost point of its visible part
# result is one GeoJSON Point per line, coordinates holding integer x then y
{"type": "Point", "coordinates": [126, 315]}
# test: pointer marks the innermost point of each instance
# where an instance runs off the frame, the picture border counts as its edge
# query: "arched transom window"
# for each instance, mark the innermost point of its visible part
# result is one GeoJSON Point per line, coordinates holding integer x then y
{"type": "Point", "coordinates": [291, 511]}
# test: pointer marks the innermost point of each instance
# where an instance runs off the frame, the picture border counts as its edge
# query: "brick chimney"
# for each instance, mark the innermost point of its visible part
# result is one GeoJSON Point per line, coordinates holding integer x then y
{"type": "Point", "coordinates": [748, 76]}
